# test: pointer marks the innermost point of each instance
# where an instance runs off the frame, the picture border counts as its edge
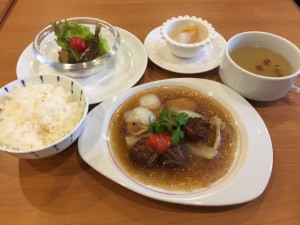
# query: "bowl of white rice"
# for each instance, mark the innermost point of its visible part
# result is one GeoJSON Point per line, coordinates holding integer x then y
{"type": "Point", "coordinates": [41, 116]}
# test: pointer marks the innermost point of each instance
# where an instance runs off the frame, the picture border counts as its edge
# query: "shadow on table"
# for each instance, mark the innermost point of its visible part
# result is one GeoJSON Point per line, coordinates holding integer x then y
{"type": "Point", "coordinates": [50, 184]}
{"type": "Point", "coordinates": [64, 185]}
{"type": "Point", "coordinates": [138, 207]}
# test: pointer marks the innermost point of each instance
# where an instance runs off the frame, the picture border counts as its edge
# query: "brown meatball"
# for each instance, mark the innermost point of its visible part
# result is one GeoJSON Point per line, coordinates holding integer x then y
{"type": "Point", "coordinates": [174, 156]}
{"type": "Point", "coordinates": [196, 128]}
{"type": "Point", "coordinates": [141, 154]}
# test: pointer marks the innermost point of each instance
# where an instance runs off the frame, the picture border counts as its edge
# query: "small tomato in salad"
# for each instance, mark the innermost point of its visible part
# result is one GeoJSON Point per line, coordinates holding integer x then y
{"type": "Point", "coordinates": [78, 44]}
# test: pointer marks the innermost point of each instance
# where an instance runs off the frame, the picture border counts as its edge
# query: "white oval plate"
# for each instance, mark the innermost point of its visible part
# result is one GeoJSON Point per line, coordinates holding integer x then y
{"type": "Point", "coordinates": [121, 73]}
{"type": "Point", "coordinates": [247, 178]}
{"type": "Point", "coordinates": [206, 60]}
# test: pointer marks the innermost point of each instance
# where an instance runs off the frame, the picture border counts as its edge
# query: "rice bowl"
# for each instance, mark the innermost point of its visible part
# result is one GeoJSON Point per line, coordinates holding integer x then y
{"type": "Point", "coordinates": [41, 116]}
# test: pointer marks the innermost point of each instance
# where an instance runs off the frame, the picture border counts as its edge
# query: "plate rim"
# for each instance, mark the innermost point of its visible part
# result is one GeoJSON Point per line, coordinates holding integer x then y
{"type": "Point", "coordinates": [208, 198]}
{"type": "Point", "coordinates": [173, 69]}
{"type": "Point", "coordinates": [137, 71]}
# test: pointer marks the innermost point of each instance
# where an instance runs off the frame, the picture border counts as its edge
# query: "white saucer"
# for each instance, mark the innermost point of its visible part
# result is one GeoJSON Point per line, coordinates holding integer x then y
{"type": "Point", "coordinates": [159, 53]}
{"type": "Point", "coordinates": [122, 72]}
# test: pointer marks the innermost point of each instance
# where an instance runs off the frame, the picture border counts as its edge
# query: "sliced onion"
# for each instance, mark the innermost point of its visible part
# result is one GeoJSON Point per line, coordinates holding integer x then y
{"type": "Point", "coordinates": [150, 101]}
{"type": "Point", "coordinates": [131, 117]}
{"type": "Point", "coordinates": [190, 113]}
{"type": "Point", "coordinates": [139, 115]}
{"type": "Point", "coordinates": [144, 115]}
{"type": "Point", "coordinates": [202, 150]}
{"type": "Point", "coordinates": [131, 140]}
{"type": "Point", "coordinates": [219, 125]}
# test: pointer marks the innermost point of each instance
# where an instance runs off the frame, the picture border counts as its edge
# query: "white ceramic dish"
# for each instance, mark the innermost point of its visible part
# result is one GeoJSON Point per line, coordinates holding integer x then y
{"type": "Point", "coordinates": [63, 143]}
{"type": "Point", "coordinates": [251, 168]}
{"type": "Point", "coordinates": [209, 58]}
{"type": "Point", "coordinates": [254, 86]}
{"type": "Point", "coordinates": [123, 71]}
{"type": "Point", "coordinates": [186, 36]}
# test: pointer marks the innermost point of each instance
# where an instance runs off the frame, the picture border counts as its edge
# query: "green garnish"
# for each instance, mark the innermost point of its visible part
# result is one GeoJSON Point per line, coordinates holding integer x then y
{"type": "Point", "coordinates": [169, 121]}
{"type": "Point", "coordinates": [65, 30]}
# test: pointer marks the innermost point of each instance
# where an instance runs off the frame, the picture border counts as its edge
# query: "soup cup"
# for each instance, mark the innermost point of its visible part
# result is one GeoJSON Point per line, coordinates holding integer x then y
{"type": "Point", "coordinates": [251, 85]}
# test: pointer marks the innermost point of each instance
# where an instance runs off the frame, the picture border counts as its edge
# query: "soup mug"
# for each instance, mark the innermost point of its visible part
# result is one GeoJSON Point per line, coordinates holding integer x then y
{"type": "Point", "coordinates": [251, 85]}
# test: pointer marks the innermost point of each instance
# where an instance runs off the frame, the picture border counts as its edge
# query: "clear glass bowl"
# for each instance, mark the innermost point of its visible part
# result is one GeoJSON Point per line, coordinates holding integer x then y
{"type": "Point", "coordinates": [46, 49]}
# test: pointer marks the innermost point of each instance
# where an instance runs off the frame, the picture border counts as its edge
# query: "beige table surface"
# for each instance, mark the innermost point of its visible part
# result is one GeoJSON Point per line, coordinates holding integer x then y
{"type": "Point", "coordinates": [65, 190]}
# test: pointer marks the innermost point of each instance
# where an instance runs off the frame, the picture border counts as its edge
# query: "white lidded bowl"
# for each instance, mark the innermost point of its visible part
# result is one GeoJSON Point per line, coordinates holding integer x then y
{"type": "Point", "coordinates": [63, 143]}
{"type": "Point", "coordinates": [180, 43]}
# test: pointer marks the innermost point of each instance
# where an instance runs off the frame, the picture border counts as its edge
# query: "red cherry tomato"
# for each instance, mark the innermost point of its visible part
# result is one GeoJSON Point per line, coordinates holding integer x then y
{"type": "Point", "coordinates": [78, 44]}
{"type": "Point", "coordinates": [159, 142]}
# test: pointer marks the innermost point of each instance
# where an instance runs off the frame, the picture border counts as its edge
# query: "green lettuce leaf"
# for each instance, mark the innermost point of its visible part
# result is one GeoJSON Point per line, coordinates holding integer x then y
{"type": "Point", "coordinates": [64, 31]}
{"type": "Point", "coordinates": [103, 46]}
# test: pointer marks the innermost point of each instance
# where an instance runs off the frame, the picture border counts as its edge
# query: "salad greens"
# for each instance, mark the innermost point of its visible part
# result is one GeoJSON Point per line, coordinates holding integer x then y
{"type": "Point", "coordinates": [66, 31]}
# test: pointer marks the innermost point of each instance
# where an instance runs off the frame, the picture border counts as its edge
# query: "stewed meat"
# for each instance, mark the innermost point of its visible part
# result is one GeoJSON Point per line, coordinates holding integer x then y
{"type": "Point", "coordinates": [141, 154]}
{"type": "Point", "coordinates": [174, 156]}
{"type": "Point", "coordinates": [196, 128]}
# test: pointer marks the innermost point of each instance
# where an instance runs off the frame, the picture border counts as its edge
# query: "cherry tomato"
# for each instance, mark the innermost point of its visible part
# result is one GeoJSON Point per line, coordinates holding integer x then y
{"type": "Point", "coordinates": [78, 44]}
{"type": "Point", "coordinates": [159, 142]}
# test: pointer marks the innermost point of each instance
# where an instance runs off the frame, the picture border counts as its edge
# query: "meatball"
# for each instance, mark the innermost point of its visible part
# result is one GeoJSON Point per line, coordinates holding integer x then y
{"type": "Point", "coordinates": [175, 155]}
{"type": "Point", "coordinates": [141, 154]}
{"type": "Point", "coordinates": [196, 128]}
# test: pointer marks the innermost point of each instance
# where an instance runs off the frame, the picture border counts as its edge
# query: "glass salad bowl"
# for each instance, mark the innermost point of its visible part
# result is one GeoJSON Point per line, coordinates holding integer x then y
{"type": "Point", "coordinates": [47, 50]}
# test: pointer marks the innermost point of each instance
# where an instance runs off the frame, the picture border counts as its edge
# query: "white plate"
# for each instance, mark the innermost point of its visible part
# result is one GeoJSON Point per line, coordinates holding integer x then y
{"type": "Point", "coordinates": [122, 72]}
{"type": "Point", "coordinates": [247, 178]}
{"type": "Point", "coordinates": [206, 60]}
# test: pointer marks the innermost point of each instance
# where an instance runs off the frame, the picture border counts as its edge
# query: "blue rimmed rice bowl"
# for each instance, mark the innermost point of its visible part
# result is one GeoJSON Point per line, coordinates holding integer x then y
{"type": "Point", "coordinates": [72, 99]}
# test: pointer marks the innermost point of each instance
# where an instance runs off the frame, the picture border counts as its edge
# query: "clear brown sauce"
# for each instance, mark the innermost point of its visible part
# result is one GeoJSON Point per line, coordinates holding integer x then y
{"type": "Point", "coordinates": [198, 172]}
{"type": "Point", "coordinates": [261, 61]}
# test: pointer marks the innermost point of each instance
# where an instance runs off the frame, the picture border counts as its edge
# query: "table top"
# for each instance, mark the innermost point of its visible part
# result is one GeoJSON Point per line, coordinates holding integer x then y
{"type": "Point", "coordinates": [64, 190]}
{"type": "Point", "coordinates": [5, 8]}
{"type": "Point", "coordinates": [3, 4]}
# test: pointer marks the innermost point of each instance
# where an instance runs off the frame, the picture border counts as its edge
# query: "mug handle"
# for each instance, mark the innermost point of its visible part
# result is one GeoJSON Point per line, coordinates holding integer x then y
{"type": "Point", "coordinates": [295, 89]}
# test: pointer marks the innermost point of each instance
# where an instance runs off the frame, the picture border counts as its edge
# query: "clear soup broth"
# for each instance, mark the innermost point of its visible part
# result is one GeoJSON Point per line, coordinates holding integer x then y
{"type": "Point", "coordinates": [262, 61]}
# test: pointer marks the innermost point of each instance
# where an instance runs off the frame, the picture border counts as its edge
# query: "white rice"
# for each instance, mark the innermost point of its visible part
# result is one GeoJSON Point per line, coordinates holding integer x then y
{"type": "Point", "coordinates": [37, 115]}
